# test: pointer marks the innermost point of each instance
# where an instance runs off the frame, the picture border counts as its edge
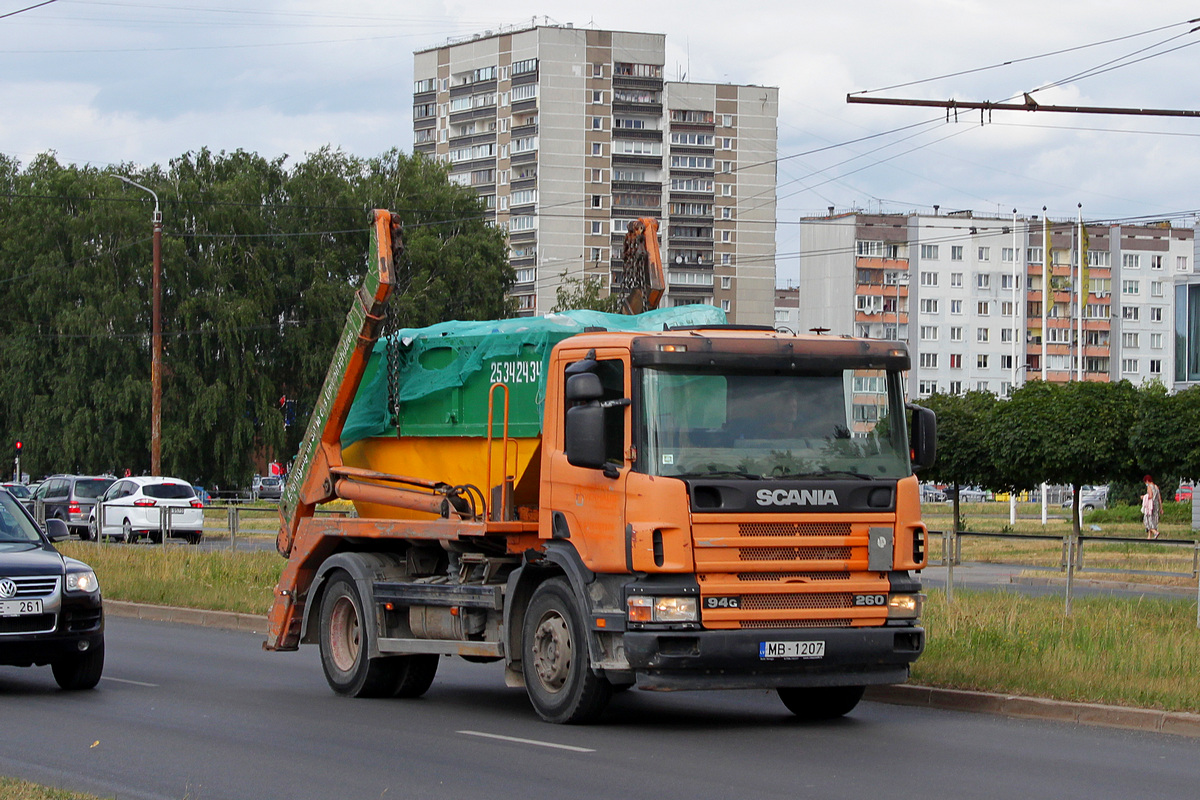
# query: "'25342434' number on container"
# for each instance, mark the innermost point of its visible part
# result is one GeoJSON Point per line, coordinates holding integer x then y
{"type": "Point", "coordinates": [516, 371]}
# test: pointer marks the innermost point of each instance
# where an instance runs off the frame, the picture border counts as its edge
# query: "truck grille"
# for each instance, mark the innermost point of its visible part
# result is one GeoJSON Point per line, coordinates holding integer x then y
{"type": "Point", "coordinates": [794, 529]}
{"type": "Point", "coordinates": [747, 624]}
{"type": "Point", "coordinates": [772, 602]}
{"type": "Point", "coordinates": [794, 553]}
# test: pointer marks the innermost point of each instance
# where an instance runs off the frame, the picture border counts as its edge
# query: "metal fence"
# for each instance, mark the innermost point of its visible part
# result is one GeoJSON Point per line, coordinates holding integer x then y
{"type": "Point", "coordinates": [1071, 559]}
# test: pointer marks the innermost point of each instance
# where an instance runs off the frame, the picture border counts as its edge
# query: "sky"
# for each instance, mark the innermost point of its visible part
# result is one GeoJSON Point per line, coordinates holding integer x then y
{"type": "Point", "coordinates": [111, 83]}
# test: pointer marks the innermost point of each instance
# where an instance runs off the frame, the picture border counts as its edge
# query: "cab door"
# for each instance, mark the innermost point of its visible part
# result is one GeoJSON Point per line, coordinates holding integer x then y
{"type": "Point", "coordinates": [587, 505]}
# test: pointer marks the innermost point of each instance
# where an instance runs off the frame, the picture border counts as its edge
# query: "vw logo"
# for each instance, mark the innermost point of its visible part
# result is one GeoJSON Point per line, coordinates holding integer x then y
{"type": "Point", "coordinates": [7, 588]}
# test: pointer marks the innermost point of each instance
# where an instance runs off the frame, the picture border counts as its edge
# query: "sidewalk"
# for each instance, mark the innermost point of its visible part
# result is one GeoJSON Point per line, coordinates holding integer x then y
{"type": "Point", "coordinates": [1138, 719]}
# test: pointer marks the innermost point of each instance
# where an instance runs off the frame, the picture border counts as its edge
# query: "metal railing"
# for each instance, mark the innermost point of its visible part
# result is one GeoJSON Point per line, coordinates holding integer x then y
{"type": "Point", "coordinates": [1071, 557]}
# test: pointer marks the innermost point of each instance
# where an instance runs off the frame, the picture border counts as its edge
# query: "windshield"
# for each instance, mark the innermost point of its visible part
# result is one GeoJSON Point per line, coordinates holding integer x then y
{"type": "Point", "coordinates": [168, 491]}
{"type": "Point", "coordinates": [18, 490]}
{"type": "Point", "coordinates": [843, 424]}
{"type": "Point", "coordinates": [14, 525]}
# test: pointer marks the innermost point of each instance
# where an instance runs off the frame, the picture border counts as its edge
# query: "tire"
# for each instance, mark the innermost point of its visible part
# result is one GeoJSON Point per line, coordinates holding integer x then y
{"type": "Point", "coordinates": [554, 658]}
{"type": "Point", "coordinates": [82, 671]}
{"type": "Point", "coordinates": [93, 530]}
{"type": "Point", "coordinates": [821, 702]}
{"type": "Point", "coordinates": [344, 645]}
{"type": "Point", "coordinates": [127, 533]}
{"type": "Point", "coordinates": [413, 675]}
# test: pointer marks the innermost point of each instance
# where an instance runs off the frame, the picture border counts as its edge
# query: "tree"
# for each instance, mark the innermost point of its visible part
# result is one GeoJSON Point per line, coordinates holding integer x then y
{"type": "Point", "coordinates": [1074, 433]}
{"type": "Point", "coordinates": [573, 293]}
{"type": "Point", "coordinates": [962, 454]}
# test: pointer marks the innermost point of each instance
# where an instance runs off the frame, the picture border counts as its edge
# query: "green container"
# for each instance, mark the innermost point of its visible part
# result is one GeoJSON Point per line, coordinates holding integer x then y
{"type": "Point", "coordinates": [446, 371]}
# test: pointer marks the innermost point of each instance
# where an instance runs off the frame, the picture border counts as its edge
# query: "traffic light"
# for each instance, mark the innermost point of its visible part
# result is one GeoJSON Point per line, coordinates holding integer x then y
{"type": "Point", "coordinates": [18, 446]}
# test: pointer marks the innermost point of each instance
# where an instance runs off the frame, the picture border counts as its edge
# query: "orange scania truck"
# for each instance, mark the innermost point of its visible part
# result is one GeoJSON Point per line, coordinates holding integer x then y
{"type": "Point", "coordinates": [603, 501]}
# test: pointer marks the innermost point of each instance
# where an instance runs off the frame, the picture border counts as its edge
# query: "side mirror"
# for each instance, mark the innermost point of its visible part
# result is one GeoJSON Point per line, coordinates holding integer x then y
{"type": "Point", "coordinates": [584, 387]}
{"type": "Point", "coordinates": [57, 530]}
{"type": "Point", "coordinates": [584, 443]}
{"type": "Point", "coordinates": [923, 437]}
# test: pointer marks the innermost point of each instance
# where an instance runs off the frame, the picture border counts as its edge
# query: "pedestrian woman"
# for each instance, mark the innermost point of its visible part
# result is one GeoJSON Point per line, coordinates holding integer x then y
{"type": "Point", "coordinates": [1151, 507]}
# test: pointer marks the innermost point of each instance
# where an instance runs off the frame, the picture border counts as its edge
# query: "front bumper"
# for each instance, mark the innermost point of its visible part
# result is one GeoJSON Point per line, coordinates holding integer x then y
{"type": "Point", "coordinates": [669, 660]}
{"type": "Point", "coordinates": [80, 621]}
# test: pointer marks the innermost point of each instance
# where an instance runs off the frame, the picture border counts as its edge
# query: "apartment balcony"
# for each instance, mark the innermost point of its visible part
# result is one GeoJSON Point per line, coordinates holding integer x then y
{"type": "Point", "coordinates": [524, 130]}
{"type": "Point", "coordinates": [640, 134]}
{"type": "Point", "coordinates": [629, 107]}
{"type": "Point", "coordinates": [637, 82]}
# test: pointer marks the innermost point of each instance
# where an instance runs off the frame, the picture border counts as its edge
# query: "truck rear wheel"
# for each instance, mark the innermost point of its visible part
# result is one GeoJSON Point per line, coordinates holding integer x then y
{"type": "Point", "coordinates": [345, 644]}
{"type": "Point", "coordinates": [554, 658]}
{"type": "Point", "coordinates": [821, 702]}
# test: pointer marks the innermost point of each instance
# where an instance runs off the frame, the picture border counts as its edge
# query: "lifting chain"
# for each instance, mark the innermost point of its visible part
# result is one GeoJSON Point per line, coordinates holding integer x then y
{"type": "Point", "coordinates": [391, 346]}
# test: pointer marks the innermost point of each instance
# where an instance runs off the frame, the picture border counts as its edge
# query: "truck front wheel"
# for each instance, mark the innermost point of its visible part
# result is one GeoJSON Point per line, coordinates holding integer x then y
{"type": "Point", "coordinates": [344, 645]}
{"type": "Point", "coordinates": [821, 702]}
{"type": "Point", "coordinates": [554, 658]}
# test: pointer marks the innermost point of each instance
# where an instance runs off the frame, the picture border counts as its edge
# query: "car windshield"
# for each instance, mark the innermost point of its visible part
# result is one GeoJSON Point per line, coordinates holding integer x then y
{"type": "Point", "coordinates": [92, 487]}
{"type": "Point", "coordinates": [168, 491]}
{"type": "Point", "coordinates": [18, 490]}
{"type": "Point", "coordinates": [15, 526]}
{"type": "Point", "coordinates": [838, 424]}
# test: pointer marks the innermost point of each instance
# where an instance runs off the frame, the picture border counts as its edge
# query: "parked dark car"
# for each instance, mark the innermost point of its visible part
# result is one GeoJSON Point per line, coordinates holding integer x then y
{"type": "Point", "coordinates": [71, 498]}
{"type": "Point", "coordinates": [50, 606]}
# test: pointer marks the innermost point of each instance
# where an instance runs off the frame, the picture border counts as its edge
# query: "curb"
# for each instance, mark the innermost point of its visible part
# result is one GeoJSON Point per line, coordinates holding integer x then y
{"type": "Point", "coordinates": [227, 620]}
{"type": "Point", "coordinates": [1139, 719]}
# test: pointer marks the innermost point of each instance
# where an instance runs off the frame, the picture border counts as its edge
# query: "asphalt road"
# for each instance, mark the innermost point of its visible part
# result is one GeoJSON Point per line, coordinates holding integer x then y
{"type": "Point", "coordinates": [203, 714]}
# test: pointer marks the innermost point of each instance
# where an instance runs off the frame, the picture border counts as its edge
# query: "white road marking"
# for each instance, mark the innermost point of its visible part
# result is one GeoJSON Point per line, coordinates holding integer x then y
{"type": "Point", "coordinates": [131, 683]}
{"type": "Point", "coordinates": [535, 742]}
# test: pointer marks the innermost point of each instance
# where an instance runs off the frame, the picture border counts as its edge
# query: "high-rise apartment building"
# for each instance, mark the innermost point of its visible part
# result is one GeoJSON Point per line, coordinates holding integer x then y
{"type": "Point", "coordinates": [966, 293]}
{"type": "Point", "coordinates": [572, 133]}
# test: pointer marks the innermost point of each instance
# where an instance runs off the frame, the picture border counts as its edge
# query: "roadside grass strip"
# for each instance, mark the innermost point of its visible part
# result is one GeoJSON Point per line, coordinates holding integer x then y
{"type": "Point", "coordinates": [1143, 653]}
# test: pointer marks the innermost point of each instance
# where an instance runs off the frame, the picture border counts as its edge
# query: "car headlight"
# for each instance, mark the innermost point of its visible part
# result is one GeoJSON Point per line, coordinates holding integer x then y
{"type": "Point", "coordinates": [646, 608]}
{"type": "Point", "coordinates": [905, 606]}
{"type": "Point", "coordinates": [82, 582]}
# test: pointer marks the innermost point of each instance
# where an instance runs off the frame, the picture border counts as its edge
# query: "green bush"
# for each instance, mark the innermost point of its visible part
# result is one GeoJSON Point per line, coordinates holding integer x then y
{"type": "Point", "coordinates": [1180, 513]}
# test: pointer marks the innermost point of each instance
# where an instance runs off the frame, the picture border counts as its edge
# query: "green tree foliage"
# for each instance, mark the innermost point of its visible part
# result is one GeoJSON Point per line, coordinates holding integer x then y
{"type": "Point", "coordinates": [573, 294]}
{"type": "Point", "coordinates": [260, 262]}
{"type": "Point", "coordinates": [963, 457]}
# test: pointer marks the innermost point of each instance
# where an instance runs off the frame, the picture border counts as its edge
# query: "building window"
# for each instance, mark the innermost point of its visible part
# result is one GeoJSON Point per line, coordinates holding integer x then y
{"type": "Point", "coordinates": [1006, 282]}
{"type": "Point", "coordinates": [927, 388]}
{"type": "Point", "coordinates": [1129, 287]}
{"type": "Point", "coordinates": [1181, 263]}
{"type": "Point", "coordinates": [1006, 362]}
{"type": "Point", "coordinates": [1130, 313]}
{"type": "Point", "coordinates": [526, 275]}
{"type": "Point", "coordinates": [956, 252]}
{"type": "Point", "coordinates": [598, 97]}
{"type": "Point", "coordinates": [982, 334]}
{"type": "Point", "coordinates": [726, 143]}
{"type": "Point", "coordinates": [929, 360]}
{"type": "Point", "coordinates": [956, 306]}
{"type": "Point", "coordinates": [983, 280]}
{"type": "Point", "coordinates": [981, 386]}
{"type": "Point", "coordinates": [597, 149]}
{"type": "Point", "coordinates": [929, 306]}
{"type": "Point", "coordinates": [726, 236]}
{"type": "Point", "coordinates": [929, 333]}
{"type": "Point", "coordinates": [1006, 254]}
{"type": "Point", "coordinates": [929, 251]}
{"type": "Point", "coordinates": [956, 361]}
{"type": "Point", "coordinates": [983, 308]}
{"type": "Point", "coordinates": [955, 387]}
{"type": "Point", "coordinates": [1155, 366]}
{"type": "Point", "coordinates": [726, 282]}
{"type": "Point", "coordinates": [929, 279]}
{"type": "Point", "coordinates": [1156, 340]}
{"type": "Point", "coordinates": [985, 253]}
{"type": "Point", "coordinates": [956, 333]}
{"type": "Point", "coordinates": [1156, 289]}
{"type": "Point", "coordinates": [1129, 340]}
{"type": "Point", "coordinates": [981, 361]}
{"type": "Point", "coordinates": [1131, 261]}
{"type": "Point", "coordinates": [725, 305]}
{"type": "Point", "coordinates": [1155, 314]}
{"type": "Point", "coordinates": [956, 279]}
{"type": "Point", "coordinates": [597, 201]}
{"type": "Point", "coordinates": [1006, 335]}
{"type": "Point", "coordinates": [1156, 262]}
{"type": "Point", "coordinates": [727, 120]}
{"type": "Point", "coordinates": [1006, 308]}
{"type": "Point", "coordinates": [597, 227]}
{"type": "Point", "coordinates": [597, 254]}
{"type": "Point", "coordinates": [1129, 365]}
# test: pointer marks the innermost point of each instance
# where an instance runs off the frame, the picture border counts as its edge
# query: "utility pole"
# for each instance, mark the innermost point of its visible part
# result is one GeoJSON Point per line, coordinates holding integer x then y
{"type": "Point", "coordinates": [156, 336]}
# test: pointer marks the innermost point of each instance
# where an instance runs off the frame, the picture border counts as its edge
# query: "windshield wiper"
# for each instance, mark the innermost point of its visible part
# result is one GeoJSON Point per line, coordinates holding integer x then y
{"type": "Point", "coordinates": [826, 473]}
{"type": "Point", "coordinates": [719, 474]}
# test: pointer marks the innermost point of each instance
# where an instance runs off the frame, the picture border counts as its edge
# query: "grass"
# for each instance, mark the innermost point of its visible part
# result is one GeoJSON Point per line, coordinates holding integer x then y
{"type": "Point", "coordinates": [13, 789]}
{"type": "Point", "coordinates": [1119, 652]}
{"type": "Point", "coordinates": [183, 576]}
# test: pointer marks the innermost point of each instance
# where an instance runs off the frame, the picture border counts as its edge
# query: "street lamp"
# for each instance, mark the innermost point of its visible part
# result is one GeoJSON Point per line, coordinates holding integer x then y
{"type": "Point", "coordinates": [156, 337]}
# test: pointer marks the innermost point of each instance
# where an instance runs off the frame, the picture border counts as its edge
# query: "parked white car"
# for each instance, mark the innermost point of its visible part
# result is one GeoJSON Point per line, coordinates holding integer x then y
{"type": "Point", "coordinates": [135, 507]}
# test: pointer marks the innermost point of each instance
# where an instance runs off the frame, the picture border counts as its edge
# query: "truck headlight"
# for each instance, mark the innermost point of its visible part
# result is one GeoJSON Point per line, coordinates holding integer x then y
{"type": "Point", "coordinates": [646, 608]}
{"type": "Point", "coordinates": [82, 582]}
{"type": "Point", "coordinates": [905, 606]}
